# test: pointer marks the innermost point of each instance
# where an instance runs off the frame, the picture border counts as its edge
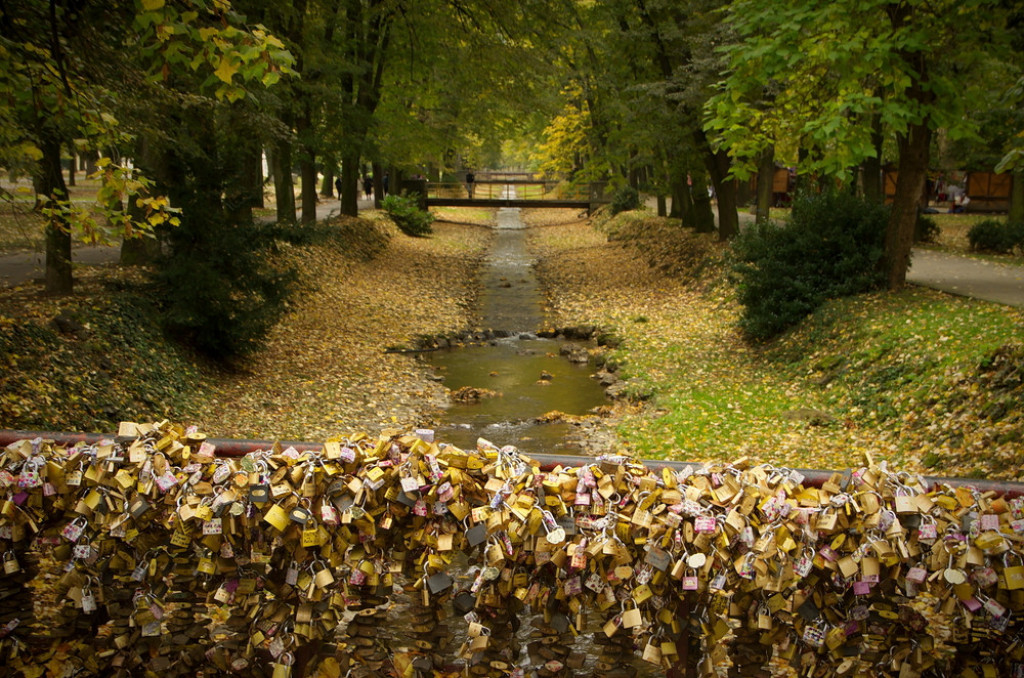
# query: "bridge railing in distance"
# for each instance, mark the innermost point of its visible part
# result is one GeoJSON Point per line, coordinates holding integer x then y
{"type": "Point", "coordinates": [285, 559]}
{"type": "Point", "coordinates": [503, 190]}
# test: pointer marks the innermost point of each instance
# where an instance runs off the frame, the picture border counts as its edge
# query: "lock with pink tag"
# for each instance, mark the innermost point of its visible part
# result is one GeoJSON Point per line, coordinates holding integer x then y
{"type": "Point", "coordinates": [705, 524]}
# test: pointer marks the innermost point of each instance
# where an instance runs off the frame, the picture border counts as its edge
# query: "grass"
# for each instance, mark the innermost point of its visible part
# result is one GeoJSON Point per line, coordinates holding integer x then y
{"type": "Point", "coordinates": [903, 376]}
{"type": "Point", "coordinates": [875, 367]}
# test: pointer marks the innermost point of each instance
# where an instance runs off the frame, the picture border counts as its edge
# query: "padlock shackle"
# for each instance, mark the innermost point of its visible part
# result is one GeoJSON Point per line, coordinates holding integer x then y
{"type": "Point", "coordinates": [239, 447]}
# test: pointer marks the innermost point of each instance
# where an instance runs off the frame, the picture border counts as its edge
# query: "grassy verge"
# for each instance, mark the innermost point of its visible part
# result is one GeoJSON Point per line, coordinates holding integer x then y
{"type": "Point", "coordinates": [912, 377]}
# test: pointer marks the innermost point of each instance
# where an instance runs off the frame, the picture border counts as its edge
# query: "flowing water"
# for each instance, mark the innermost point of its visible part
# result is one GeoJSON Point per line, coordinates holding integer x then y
{"type": "Point", "coordinates": [528, 372]}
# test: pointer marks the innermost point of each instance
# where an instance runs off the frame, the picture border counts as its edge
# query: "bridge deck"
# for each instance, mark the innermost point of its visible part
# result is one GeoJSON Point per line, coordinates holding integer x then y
{"type": "Point", "coordinates": [505, 202]}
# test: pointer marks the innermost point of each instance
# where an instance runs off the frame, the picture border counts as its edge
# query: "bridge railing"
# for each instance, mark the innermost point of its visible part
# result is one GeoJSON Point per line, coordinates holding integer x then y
{"type": "Point", "coordinates": [504, 190]}
{"type": "Point", "coordinates": [167, 555]}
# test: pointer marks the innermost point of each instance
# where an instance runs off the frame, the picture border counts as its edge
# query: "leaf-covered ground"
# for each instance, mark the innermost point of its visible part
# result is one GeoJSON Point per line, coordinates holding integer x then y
{"type": "Point", "coordinates": [913, 376]}
{"type": "Point", "coordinates": [325, 370]}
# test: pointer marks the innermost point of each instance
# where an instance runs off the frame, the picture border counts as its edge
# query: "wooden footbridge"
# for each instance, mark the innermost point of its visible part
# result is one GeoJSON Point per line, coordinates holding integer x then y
{"type": "Point", "coordinates": [508, 190]}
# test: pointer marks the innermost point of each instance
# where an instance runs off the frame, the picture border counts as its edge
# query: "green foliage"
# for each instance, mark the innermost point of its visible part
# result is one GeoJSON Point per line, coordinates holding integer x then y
{"type": "Point", "coordinates": [926, 229]}
{"type": "Point", "coordinates": [997, 236]}
{"type": "Point", "coordinates": [625, 199]}
{"type": "Point", "coordinates": [409, 218]}
{"type": "Point", "coordinates": [223, 289]}
{"type": "Point", "coordinates": [831, 247]}
{"type": "Point", "coordinates": [121, 368]}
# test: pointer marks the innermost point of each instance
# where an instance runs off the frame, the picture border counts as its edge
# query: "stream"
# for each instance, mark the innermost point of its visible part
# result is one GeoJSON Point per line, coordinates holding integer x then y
{"type": "Point", "coordinates": [521, 377]}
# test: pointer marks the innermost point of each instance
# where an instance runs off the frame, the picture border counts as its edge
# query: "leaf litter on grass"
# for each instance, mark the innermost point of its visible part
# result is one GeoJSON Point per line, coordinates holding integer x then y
{"type": "Point", "coordinates": [911, 387]}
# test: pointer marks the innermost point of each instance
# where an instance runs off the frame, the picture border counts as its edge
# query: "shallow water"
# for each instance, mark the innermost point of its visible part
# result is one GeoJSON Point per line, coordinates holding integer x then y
{"type": "Point", "coordinates": [528, 373]}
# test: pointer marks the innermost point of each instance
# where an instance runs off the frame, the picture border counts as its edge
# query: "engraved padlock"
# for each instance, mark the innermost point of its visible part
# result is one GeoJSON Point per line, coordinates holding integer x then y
{"type": "Point", "coordinates": [1013, 575]}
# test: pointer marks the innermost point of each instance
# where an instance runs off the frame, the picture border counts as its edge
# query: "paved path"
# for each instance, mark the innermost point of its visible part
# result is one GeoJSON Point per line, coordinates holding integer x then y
{"type": "Point", "coordinates": [964, 276]}
{"type": "Point", "coordinates": [968, 277]}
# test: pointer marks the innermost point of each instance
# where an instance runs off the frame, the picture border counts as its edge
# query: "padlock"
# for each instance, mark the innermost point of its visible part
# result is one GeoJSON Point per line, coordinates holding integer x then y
{"type": "Point", "coordinates": [283, 666]}
{"type": "Point", "coordinates": [1013, 575]}
{"type": "Point", "coordinates": [322, 576]}
{"type": "Point", "coordinates": [276, 517]}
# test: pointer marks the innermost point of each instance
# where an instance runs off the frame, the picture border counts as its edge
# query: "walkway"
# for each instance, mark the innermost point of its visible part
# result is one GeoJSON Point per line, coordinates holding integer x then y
{"type": "Point", "coordinates": [968, 277]}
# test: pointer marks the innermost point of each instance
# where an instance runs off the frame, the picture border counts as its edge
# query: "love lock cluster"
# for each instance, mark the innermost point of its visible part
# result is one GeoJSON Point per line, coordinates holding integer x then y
{"type": "Point", "coordinates": [396, 555]}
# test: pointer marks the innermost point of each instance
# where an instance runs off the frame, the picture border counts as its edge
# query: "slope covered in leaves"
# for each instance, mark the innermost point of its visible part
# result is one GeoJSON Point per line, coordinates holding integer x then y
{"type": "Point", "coordinates": [324, 370]}
{"type": "Point", "coordinates": [911, 377]}
{"type": "Point", "coordinates": [87, 361]}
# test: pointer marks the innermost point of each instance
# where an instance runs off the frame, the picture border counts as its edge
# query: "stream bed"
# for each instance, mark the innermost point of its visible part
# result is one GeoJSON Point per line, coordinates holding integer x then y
{"type": "Point", "coordinates": [509, 383]}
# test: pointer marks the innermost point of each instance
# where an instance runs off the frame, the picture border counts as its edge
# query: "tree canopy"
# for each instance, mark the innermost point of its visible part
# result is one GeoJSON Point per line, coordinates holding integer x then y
{"type": "Point", "coordinates": [183, 99]}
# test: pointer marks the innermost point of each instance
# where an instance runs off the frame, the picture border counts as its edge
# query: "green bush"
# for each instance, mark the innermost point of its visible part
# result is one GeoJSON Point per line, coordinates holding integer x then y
{"type": "Point", "coordinates": [832, 246]}
{"type": "Point", "coordinates": [221, 287]}
{"type": "Point", "coordinates": [625, 199]}
{"type": "Point", "coordinates": [407, 215]}
{"type": "Point", "coordinates": [995, 235]}
{"type": "Point", "coordinates": [926, 229]}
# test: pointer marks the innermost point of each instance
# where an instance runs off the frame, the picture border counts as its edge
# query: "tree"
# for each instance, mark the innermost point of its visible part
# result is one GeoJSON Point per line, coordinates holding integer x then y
{"type": "Point", "coordinates": [64, 78]}
{"type": "Point", "coordinates": [644, 69]}
{"type": "Point", "coordinates": [845, 68]}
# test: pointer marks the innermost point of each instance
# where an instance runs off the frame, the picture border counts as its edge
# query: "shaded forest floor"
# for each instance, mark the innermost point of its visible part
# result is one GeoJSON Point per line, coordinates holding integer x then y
{"type": "Point", "coordinates": [913, 377]}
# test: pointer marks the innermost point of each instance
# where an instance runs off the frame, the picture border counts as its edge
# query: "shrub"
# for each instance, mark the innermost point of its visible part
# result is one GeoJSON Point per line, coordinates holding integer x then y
{"type": "Point", "coordinates": [407, 215]}
{"type": "Point", "coordinates": [926, 229]}
{"type": "Point", "coordinates": [831, 246]}
{"type": "Point", "coordinates": [221, 287]}
{"type": "Point", "coordinates": [995, 235]}
{"type": "Point", "coordinates": [625, 199]}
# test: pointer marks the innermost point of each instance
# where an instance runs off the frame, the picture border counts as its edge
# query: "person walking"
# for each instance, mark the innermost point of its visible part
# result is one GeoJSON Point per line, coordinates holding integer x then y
{"type": "Point", "coordinates": [470, 179]}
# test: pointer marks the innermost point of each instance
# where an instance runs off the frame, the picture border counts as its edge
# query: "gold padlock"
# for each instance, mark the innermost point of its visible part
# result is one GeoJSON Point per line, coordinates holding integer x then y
{"type": "Point", "coordinates": [1013, 575]}
{"type": "Point", "coordinates": [283, 666]}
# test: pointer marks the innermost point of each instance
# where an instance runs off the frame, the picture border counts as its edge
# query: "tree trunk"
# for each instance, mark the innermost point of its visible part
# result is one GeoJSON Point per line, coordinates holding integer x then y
{"type": "Point", "coordinates": [58, 236]}
{"type": "Point", "coordinates": [283, 185]}
{"type": "Point", "coordinates": [1016, 214]}
{"type": "Point", "coordinates": [703, 217]}
{"type": "Point", "coordinates": [241, 168]}
{"type": "Point", "coordinates": [765, 184]}
{"type": "Point", "coordinates": [309, 200]}
{"type": "Point", "coordinates": [327, 185]}
{"type": "Point", "coordinates": [378, 184]}
{"type": "Point", "coordinates": [350, 184]}
{"type": "Point", "coordinates": [662, 206]}
{"type": "Point", "coordinates": [717, 164]}
{"type": "Point", "coordinates": [307, 161]}
{"type": "Point", "coordinates": [138, 251]}
{"type": "Point", "coordinates": [678, 208]}
{"type": "Point", "coordinates": [89, 165]}
{"type": "Point", "coordinates": [71, 166]}
{"type": "Point", "coordinates": [871, 168]}
{"type": "Point", "coordinates": [261, 178]}
{"type": "Point", "coordinates": [913, 169]}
